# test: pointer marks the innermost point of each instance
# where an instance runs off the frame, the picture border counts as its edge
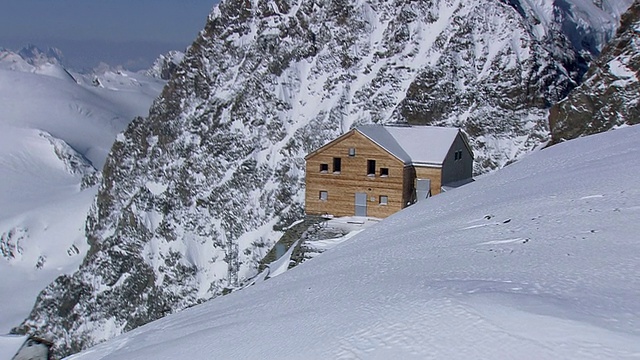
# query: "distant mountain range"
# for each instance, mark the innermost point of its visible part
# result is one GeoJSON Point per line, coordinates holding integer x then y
{"type": "Point", "coordinates": [56, 130]}
{"type": "Point", "coordinates": [35, 56]}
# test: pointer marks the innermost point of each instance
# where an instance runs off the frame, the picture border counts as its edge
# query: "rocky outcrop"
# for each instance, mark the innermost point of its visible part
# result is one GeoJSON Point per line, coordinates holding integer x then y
{"type": "Point", "coordinates": [608, 97]}
{"type": "Point", "coordinates": [166, 65]}
{"type": "Point", "coordinates": [194, 196]}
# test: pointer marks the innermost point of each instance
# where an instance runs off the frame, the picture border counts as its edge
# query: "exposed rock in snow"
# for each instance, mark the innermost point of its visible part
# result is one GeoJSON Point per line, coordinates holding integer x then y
{"type": "Point", "coordinates": [75, 163]}
{"type": "Point", "coordinates": [608, 98]}
{"type": "Point", "coordinates": [166, 65]}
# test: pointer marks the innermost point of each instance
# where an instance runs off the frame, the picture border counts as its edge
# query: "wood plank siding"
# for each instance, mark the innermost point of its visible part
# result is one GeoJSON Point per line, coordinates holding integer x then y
{"type": "Point", "coordinates": [432, 173]}
{"type": "Point", "coordinates": [344, 170]}
{"type": "Point", "coordinates": [341, 187]}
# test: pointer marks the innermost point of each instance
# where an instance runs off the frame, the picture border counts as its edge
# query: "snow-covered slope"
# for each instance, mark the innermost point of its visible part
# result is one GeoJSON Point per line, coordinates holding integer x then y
{"type": "Point", "coordinates": [56, 129]}
{"type": "Point", "coordinates": [194, 195]}
{"type": "Point", "coordinates": [537, 261]}
{"type": "Point", "coordinates": [69, 106]}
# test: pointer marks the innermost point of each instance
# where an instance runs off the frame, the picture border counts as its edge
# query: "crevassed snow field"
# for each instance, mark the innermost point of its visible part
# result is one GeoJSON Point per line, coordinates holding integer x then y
{"type": "Point", "coordinates": [537, 261]}
{"type": "Point", "coordinates": [53, 131]}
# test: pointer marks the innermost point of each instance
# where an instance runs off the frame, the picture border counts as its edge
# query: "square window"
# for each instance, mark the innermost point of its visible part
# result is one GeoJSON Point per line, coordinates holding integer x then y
{"type": "Point", "coordinates": [337, 165]}
{"type": "Point", "coordinates": [384, 199]}
{"type": "Point", "coordinates": [352, 152]}
{"type": "Point", "coordinates": [324, 168]}
{"type": "Point", "coordinates": [384, 172]}
{"type": "Point", "coordinates": [324, 196]}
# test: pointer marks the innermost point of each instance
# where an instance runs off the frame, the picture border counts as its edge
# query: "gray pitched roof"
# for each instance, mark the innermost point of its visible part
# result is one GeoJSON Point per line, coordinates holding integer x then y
{"type": "Point", "coordinates": [11, 344]}
{"type": "Point", "coordinates": [417, 145]}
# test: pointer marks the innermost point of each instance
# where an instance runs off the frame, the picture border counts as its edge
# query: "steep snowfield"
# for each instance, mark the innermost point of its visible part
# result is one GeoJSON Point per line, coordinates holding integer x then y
{"type": "Point", "coordinates": [537, 261]}
{"type": "Point", "coordinates": [56, 128]}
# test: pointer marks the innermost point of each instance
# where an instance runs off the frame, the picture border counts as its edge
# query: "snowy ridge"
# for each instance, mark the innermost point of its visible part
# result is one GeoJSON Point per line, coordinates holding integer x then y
{"type": "Point", "coordinates": [37, 57]}
{"type": "Point", "coordinates": [38, 63]}
{"type": "Point", "coordinates": [166, 65]}
{"type": "Point", "coordinates": [75, 163]}
{"type": "Point", "coordinates": [538, 260]}
{"type": "Point", "coordinates": [265, 83]}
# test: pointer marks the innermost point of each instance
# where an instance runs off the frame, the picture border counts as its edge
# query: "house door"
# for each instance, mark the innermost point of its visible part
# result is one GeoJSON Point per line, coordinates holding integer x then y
{"type": "Point", "coordinates": [423, 189]}
{"type": "Point", "coordinates": [361, 204]}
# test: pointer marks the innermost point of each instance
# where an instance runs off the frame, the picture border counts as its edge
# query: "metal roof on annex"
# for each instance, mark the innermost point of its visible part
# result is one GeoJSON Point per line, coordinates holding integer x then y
{"type": "Point", "coordinates": [416, 145]}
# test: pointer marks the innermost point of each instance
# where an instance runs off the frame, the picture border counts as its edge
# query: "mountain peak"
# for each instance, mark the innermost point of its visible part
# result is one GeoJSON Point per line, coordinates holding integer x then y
{"type": "Point", "coordinates": [36, 56]}
{"type": "Point", "coordinates": [165, 65]}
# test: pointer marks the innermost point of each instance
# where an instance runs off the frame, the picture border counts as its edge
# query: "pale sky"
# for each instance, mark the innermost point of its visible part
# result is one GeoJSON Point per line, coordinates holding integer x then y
{"type": "Point", "coordinates": [122, 31]}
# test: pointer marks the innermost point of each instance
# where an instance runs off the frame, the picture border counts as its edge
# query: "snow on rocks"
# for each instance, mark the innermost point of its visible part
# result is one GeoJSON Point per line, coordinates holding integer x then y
{"type": "Point", "coordinates": [318, 238]}
{"type": "Point", "coordinates": [608, 97]}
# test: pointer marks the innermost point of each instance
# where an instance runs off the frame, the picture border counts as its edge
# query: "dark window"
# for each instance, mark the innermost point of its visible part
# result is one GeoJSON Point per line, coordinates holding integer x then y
{"type": "Point", "coordinates": [352, 152]}
{"type": "Point", "coordinates": [324, 168]}
{"type": "Point", "coordinates": [337, 165]}
{"type": "Point", "coordinates": [324, 196]}
{"type": "Point", "coordinates": [458, 155]}
{"type": "Point", "coordinates": [384, 172]}
{"type": "Point", "coordinates": [371, 167]}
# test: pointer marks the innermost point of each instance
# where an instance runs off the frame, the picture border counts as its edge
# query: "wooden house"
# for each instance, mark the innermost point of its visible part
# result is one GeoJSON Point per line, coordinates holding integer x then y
{"type": "Point", "coordinates": [377, 170]}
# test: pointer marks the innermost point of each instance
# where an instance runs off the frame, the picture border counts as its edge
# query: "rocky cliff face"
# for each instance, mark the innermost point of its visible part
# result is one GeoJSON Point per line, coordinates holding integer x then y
{"type": "Point", "coordinates": [193, 195]}
{"type": "Point", "coordinates": [609, 95]}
